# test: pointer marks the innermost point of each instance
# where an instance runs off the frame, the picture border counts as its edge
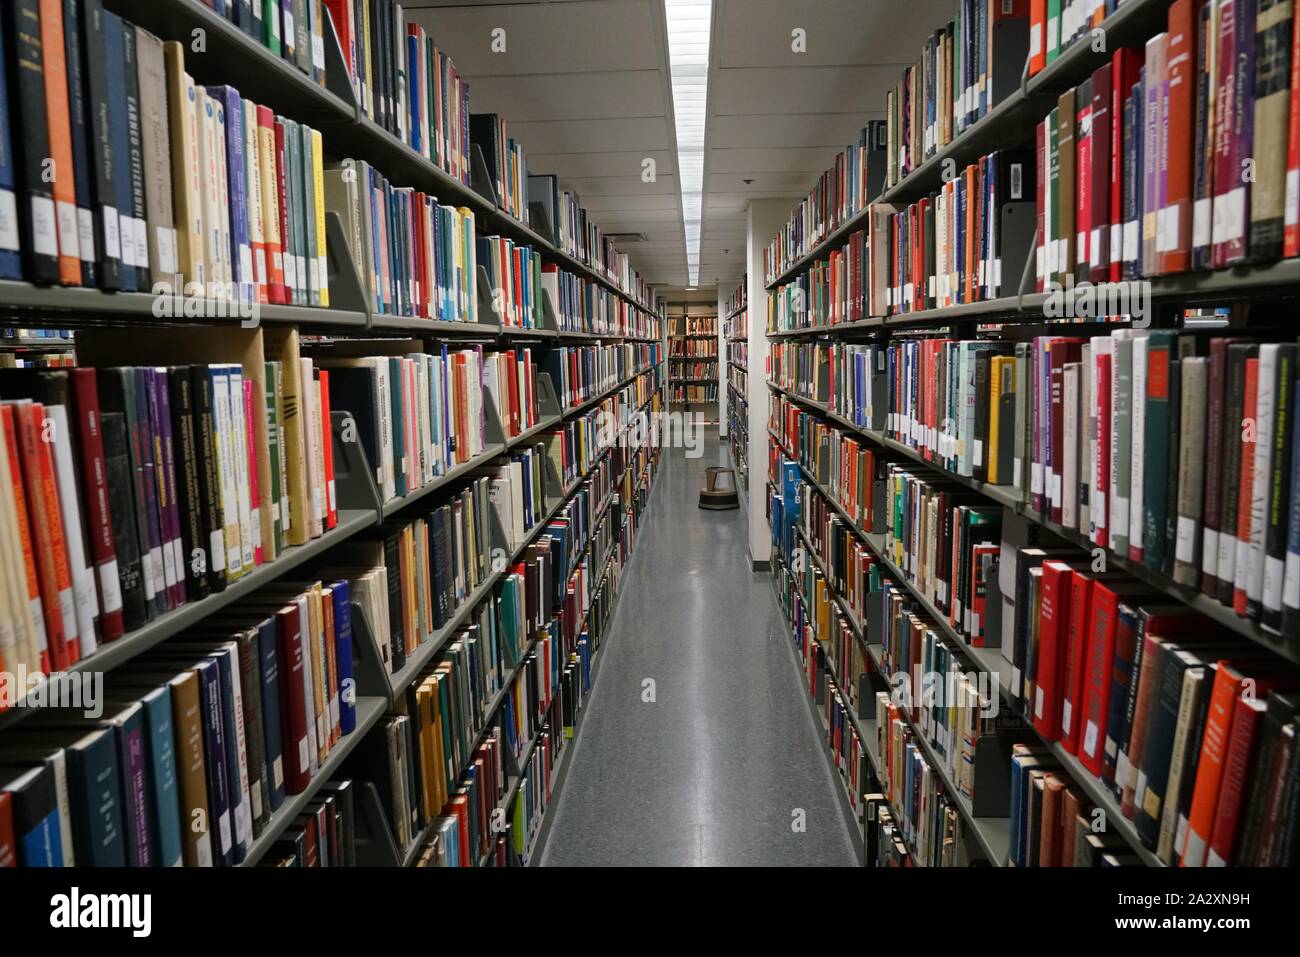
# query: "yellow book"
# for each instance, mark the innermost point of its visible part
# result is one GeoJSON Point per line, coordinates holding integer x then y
{"type": "Point", "coordinates": [318, 176]}
{"type": "Point", "coordinates": [367, 81]}
{"type": "Point", "coordinates": [319, 696]}
{"type": "Point", "coordinates": [995, 390]}
{"type": "Point", "coordinates": [187, 199]}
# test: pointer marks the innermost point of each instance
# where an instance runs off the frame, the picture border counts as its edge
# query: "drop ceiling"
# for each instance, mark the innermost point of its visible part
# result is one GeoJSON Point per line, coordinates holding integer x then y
{"type": "Point", "coordinates": [584, 85]}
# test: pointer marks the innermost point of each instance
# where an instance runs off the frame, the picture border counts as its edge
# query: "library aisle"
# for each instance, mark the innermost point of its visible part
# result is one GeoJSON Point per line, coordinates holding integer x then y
{"type": "Point", "coordinates": [717, 767]}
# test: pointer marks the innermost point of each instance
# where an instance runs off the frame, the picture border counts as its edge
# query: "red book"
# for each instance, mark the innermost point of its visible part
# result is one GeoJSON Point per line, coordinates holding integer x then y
{"type": "Point", "coordinates": [273, 206]}
{"type": "Point", "coordinates": [9, 413]}
{"type": "Point", "coordinates": [8, 852]}
{"type": "Point", "coordinates": [327, 446]}
{"type": "Point", "coordinates": [1101, 479]}
{"type": "Point", "coordinates": [1096, 700]}
{"type": "Point", "coordinates": [1247, 717]}
{"type": "Point", "coordinates": [99, 520]}
{"type": "Point", "coordinates": [296, 749]}
{"type": "Point", "coordinates": [1053, 633]}
{"type": "Point", "coordinates": [1099, 189]}
{"type": "Point", "coordinates": [1074, 658]}
{"type": "Point", "coordinates": [1124, 74]}
{"type": "Point", "coordinates": [1174, 230]}
{"type": "Point", "coordinates": [46, 523]}
{"type": "Point", "coordinates": [55, 69]}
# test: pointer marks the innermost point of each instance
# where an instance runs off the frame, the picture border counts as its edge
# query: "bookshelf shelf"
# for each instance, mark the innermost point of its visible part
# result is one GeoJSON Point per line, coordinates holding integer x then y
{"type": "Point", "coordinates": [114, 653]}
{"type": "Point", "coordinates": [1009, 121]}
{"type": "Point", "coordinates": [369, 711]}
{"type": "Point", "coordinates": [37, 343]}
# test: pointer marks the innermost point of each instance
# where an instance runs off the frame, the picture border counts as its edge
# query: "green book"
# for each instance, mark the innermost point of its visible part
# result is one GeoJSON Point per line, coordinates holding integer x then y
{"type": "Point", "coordinates": [273, 441]}
{"type": "Point", "coordinates": [1053, 29]}
{"type": "Point", "coordinates": [1159, 422]}
{"type": "Point", "coordinates": [271, 22]}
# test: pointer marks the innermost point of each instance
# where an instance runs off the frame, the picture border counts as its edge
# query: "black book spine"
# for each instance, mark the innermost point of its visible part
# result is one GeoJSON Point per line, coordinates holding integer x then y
{"type": "Point", "coordinates": [979, 467]}
{"type": "Point", "coordinates": [193, 537]}
{"type": "Point", "coordinates": [437, 568]}
{"type": "Point", "coordinates": [81, 155]}
{"type": "Point", "coordinates": [1281, 709]}
{"type": "Point", "coordinates": [392, 562]}
{"type": "Point", "coordinates": [205, 470]}
{"type": "Point", "coordinates": [1280, 489]}
{"type": "Point", "coordinates": [31, 140]}
{"type": "Point", "coordinates": [126, 544]}
{"type": "Point", "coordinates": [1171, 461]}
{"type": "Point", "coordinates": [1230, 482]}
{"type": "Point", "coordinates": [135, 159]}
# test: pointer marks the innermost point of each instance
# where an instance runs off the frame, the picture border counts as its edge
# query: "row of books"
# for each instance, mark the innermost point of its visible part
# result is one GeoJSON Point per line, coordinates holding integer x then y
{"type": "Point", "coordinates": [147, 494]}
{"type": "Point", "coordinates": [738, 353]}
{"type": "Point", "coordinates": [580, 373]}
{"type": "Point", "coordinates": [293, 30]}
{"type": "Point", "coordinates": [682, 371]}
{"type": "Point", "coordinates": [842, 192]}
{"type": "Point", "coordinates": [694, 326]}
{"type": "Point", "coordinates": [583, 305]}
{"type": "Point", "coordinates": [963, 66]}
{"type": "Point", "coordinates": [1056, 25]}
{"type": "Point", "coordinates": [199, 742]}
{"type": "Point", "coordinates": [1075, 640]}
{"type": "Point", "coordinates": [1144, 160]}
{"type": "Point", "coordinates": [693, 394]}
{"type": "Point", "coordinates": [684, 348]}
{"type": "Point", "coordinates": [323, 835]}
{"type": "Point", "coordinates": [166, 179]}
{"type": "Point", "coordinates": [24, 359]}
{"type": "Point", "coordinates": [1136, 172]}
{"type": "Point", "coordinates": [1169, 450]}
{"type": "Point", "coordinates": [404, 82]}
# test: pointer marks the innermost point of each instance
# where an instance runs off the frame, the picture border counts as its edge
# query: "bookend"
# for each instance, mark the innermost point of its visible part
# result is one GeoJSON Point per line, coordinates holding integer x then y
{"type": "Point", "coordinates": [1027, 277]}
{"type": "Point", "coordinates": [873, 614]}
{"type": "Point", "coordinates": [540, 221]}
{"type": "Point", "coordinates": [548, 403]}
{"type": "Point", "coordinates": [375, 846]}
{"type": "Point", "coordinates": [993, 605]}
{"type": "Point", "coordinates": [1019, 226]}
{"type": "Point", "coordinates": [878, 514]}
{"type": "Point", "coordinates": [550, 320]}
{"type": "Point", "coordinates": [487, 301]}
{"type": "Point", "coordinates": [479, 178]}
{"type": "Point", "coordinates": [354, 481]}
{"type": "Point", "coordinates": [336, 70]}
{"type": "Point", "coordinates": [346, 289]}
{"type": "Point", "coordinates": [552, 484]}
{"type": "Point", "coordinates": [492, 432]}
{"type": "Point", "coordinates": [367, 664]}
{"type": "Point", "coordinates": [1008, 57]}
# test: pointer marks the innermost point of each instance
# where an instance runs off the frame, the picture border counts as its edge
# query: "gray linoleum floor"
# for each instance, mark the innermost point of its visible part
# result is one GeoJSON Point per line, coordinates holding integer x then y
{"type": "Point", "coordinates": [712, 771]}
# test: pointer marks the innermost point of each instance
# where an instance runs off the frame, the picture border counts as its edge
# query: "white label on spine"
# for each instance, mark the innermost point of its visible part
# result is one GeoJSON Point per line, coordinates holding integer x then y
{"type": "Point", "coordinates": [1291, 581]}
{"type": "Point", "coordinates": [289, 35]}
{"type": "Point", "coordinates": [1015, 472]}
{"type": "Point", "coordinates": [1130, 240]}
{"type": "Point", "coordinates": [1067, 711]}
{"type": "Point", "coordinates": [1116, 242]}
{"type": "Point", "coordinates": [159, 572]}
{"type": "Point", "coordinates": [86, 235]}
{"type": "Point", "coordinates": [318, 52]}
{"type": "Point", "coordinates": [304, 756]}
{"type": "Point", "coordinates": [1081, 246]}
{"type": "Point", "coordinates": [217, 550]}
{"type": "Point", "coordinates": [301, 270]}
{"type": "Point", "coordinates": [1274, 572]}
{"type": "Point", "coordinates": [1090, 738]}
{"type": "Point", "coordinates": [1227, 555]}
{"type": "Point", "coordinates": [110, 587]}
{"type": "Point", "coordinates": [141, 242]}
{"type": "Point", "coordinates": [169, 563]}
{"type": "Point", "coordinates": [1119, 505]}
{"type": "Point", "coordinates": [1169, 229]}
{"type": "Point", "coordinates": [1210, 552]}
{"type": "Point", "coordinates": [246, 274]}
{"type": "Point", "coordinates": [1036, 478]}
{"type": "Point", "coordinates": [1015, 679]}
{"type": "Point", "coordinates": [1055, 479]}
{"type": "Point", "coordinates": [977, 454]}
{"type": "Point", "coordinates": [45, 234]}
{"type": "Point", "coordinates": [1201, 222]}
{"type": "Point", "coordinates": [165, 238]}
{"type": "Point", "coordinates": [1230, 216]}
{"type": "Point", "coordinates": [68, 230]}
{"type": "Point", "coordinates": [1185, 541]}
{"type": "Point", "coordinates": [68, 608]}
{"type": "Point", "coordinates": [112, 242]}
{"type": "Point", "coordinates": [9, 221]}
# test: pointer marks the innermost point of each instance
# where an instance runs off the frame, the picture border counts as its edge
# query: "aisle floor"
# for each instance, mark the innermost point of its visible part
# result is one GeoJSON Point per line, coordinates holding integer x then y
{"type": "Point", "coordinates": [717, 768]}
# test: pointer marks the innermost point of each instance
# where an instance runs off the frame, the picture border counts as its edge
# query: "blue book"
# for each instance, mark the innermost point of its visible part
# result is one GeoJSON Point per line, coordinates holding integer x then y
{"type": "Point", "coordinates": [227, 658]}
{"type": "Point", "coordinates": [11, 264]}
{"type": "Point", "coordinates": [35, 813]}
{"type": "Point", "coordinates": [94, 793]}
{"type": "Point", "coordinates": [129, 732]}
{"type": "Point", "coordinates": [214, 753]}
{"type": "Point", "coordinates": [269, 673]}
{"type": "Point", "coordinates": [164, 817]}
{"type": "Point", "coordinates": [241, 250]}
{"type": "Point", "coordinates": [340, 593]}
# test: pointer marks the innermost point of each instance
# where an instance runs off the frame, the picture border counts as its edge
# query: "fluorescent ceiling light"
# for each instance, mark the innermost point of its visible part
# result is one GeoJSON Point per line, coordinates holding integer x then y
{"type": "Point", "coordinates": [688, 61]}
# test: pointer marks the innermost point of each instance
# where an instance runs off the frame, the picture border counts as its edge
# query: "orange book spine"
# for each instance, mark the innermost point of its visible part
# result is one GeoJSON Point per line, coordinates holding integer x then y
{"type": "Point", "coordinates": [25, 535]}
{"type": "Point", "coordinates": [50, 559]}
{"type": "Point", "coordinates": [62, 180]}
{"type": "Point", "coordinates": [1209, 768]}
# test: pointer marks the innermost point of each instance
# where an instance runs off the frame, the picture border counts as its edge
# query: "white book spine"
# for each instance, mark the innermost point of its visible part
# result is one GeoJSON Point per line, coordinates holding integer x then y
{"type": "Point", "coordinates": [239, 454]}
{"type": "Point", "coordinates": [85, 598]}
{"type": "Point", "coordinates": [1138, 441]}
{"type": "Point", "coordinates": [1264, 407]}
